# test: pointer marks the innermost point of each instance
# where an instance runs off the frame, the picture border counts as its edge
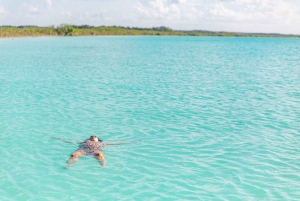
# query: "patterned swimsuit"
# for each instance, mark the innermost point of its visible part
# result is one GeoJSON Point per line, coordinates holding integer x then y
{"type": "Point", "coordinates": [89, 147]}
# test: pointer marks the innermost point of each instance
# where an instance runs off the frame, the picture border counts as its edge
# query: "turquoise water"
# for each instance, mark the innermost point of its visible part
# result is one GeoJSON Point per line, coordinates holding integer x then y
{"type": "Point", "coordinates": [219, 118]}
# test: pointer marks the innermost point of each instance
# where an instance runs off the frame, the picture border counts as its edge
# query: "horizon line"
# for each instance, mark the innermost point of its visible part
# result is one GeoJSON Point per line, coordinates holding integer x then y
{"type": "Point", "coordinates": [178, 30]}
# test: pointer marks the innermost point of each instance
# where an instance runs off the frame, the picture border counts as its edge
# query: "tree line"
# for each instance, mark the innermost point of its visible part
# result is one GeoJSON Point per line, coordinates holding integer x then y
{"type": "Point", "coordinates": [87, 30]}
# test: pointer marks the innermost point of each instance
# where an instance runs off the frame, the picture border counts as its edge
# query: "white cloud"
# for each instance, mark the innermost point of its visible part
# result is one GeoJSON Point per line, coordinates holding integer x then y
{"type": "Point", "coordinates": [49, 4]}
{"type": "Point", "coordinates": [66, 13]}
{"type": "Point", "coordinates": [2, 11]}
{"type": "Point", "coordinates": [227, 15]}
{"type": "Point", "coordinates": [222, 11]}
{"type": "Point", "coordinates": [176, 1]}
{"type": "Point", "coordinates": [31, 9]}
{"type": "Point", "coordinates": [193, 16]}
{"type": "Point", "coordinates": [255, 10]}
{"type": "Point", "coordinates": [263, 15]}
{"type": "Point", "coordinates": [281, 16]}
{"type": "Point", "coordinates": [162, 9]}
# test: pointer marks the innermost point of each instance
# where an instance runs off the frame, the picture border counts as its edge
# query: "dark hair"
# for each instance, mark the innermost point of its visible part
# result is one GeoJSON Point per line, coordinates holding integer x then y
{"type": "Point", "coordinates": [96, 137]}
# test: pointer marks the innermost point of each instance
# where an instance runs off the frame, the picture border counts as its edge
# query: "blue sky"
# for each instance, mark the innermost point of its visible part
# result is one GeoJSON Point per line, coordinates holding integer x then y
{"type": "Point", "coordinates": [271, 16]}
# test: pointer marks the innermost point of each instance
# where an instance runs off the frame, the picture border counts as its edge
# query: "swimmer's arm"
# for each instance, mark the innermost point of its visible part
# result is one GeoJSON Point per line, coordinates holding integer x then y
{"type": "Point", "coordinates": [66, 141]}
{"type": "Point", "coordinates": [117, 143]}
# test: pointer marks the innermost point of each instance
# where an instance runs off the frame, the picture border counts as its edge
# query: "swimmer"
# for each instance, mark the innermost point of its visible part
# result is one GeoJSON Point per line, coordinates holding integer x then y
{"type": "Point", "coordinates": [91, 146]}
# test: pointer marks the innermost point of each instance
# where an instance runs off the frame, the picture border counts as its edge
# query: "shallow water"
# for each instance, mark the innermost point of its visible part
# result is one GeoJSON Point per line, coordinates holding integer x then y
{"type": "Point", "coordinates": [218, 118]}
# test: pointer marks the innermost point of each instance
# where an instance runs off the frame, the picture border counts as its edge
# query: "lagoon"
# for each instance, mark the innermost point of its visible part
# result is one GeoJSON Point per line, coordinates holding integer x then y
{"type": "Point", "coordinates": [218, 118]}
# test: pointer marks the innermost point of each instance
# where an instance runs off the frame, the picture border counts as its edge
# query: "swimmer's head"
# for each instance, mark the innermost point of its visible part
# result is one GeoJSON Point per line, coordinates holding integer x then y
{"type": "Point", "coordinates": [94, 138]}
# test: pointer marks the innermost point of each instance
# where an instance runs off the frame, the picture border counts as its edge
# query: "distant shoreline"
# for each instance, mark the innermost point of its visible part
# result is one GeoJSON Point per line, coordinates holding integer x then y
{"type": "Point", "coordinates": [86, 30]}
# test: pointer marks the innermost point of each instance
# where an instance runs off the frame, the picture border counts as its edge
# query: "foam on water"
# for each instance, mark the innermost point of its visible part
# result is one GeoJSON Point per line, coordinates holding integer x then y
{"type": "Point", "coordinates": [218, 118]}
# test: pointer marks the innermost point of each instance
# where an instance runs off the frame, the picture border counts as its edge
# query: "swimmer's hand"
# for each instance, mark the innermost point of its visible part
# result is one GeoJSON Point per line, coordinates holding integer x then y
{"type": "Point", "coordinates": [66, 141]}
{"type": "Point", "coordinates": [56, 138]}
{"type": "Point", "coordinates": [117, 143]}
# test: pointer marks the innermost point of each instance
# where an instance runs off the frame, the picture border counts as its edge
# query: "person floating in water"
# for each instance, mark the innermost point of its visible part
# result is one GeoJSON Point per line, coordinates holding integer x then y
{"type": "Point", "coordinates": [91, 146]}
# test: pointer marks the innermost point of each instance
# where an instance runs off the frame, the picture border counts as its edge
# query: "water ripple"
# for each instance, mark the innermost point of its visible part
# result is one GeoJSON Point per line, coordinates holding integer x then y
{"type": "Point", "coordinates": [218, 118]}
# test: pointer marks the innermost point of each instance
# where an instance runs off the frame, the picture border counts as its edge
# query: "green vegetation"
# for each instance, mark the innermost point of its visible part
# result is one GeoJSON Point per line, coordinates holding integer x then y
{"type": "Point", "coordinates": [86, 30]}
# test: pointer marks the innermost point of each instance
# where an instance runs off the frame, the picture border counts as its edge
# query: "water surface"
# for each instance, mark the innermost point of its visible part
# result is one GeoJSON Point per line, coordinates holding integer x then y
{"type": "Point", "coordinates": [218, 118]}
